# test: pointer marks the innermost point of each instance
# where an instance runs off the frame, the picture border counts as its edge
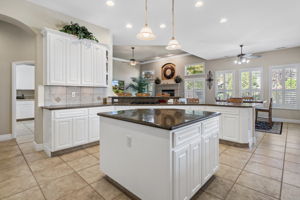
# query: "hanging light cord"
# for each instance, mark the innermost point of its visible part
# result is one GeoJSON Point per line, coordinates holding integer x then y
{"type": "Point", "coordinates": [132, 52]}
{"type": "Point", "coordinates": [173, 20]}
{"type": "Point", "coordinates": [146, 12]}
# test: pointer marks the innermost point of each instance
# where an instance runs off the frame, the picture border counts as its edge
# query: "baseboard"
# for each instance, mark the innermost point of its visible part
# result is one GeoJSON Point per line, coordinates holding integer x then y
{"type": "Point", "coordinates": [275, 119]}
{"type": "Point", "coordinates": [6, 137]}
{"type": "Point", "coordinates": [38, 147]}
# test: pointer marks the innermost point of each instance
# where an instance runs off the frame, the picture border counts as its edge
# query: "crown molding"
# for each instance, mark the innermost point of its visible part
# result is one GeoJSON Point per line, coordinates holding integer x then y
{"type": "Point", "coordinates": [165, 58]}
{"type": "Point", "coordinates": [121, 59]}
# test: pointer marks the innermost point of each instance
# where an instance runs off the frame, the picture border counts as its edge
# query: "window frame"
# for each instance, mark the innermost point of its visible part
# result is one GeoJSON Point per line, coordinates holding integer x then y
{"type": "Point", "coordinates": [251, 89]}
{"type": "Point", "coordinates": [233, 81]}
{"type": "Point", "coordinates": [284, 105]}
{"type": "Point", "coordinates": [194, 75]}
{"type": "Point", "coordinates": [195, 79]}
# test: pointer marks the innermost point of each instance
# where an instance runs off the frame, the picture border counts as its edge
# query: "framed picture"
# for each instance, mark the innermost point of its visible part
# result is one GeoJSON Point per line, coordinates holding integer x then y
{"type": "Point", "coordinates": [195, 69]}
{"type": "Point", "coordinates": [168, 71]}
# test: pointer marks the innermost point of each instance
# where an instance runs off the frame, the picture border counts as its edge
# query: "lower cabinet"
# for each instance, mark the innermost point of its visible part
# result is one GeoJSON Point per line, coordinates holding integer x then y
{"type": "Point", "coordinates": [195, 162]}
{"type": "Point", "coordinates": [63, 129]}
{"type": "Point", "coordinates": [24, 109]}
{"type": "Point", "coordinates": [181, 173]}
{"type": "Point", "coordinates": [94, 128]}
{"type": "Point", "coordinates": [230, 127]}
{"type": "Point", "coordinates": [80, 130]}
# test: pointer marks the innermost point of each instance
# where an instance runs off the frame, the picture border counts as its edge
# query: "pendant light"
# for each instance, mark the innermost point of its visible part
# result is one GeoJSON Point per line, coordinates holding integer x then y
{"type": "Point", "coordinates": [132, 60]}
{"type": "Point", "coordinates": [173, 43]}
{"type": "Point", "coordinates": [146, 32]}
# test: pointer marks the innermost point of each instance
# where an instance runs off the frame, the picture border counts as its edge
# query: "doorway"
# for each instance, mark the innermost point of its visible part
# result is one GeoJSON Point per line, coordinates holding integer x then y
{"type": "Point", "coordinates": [23, 100]}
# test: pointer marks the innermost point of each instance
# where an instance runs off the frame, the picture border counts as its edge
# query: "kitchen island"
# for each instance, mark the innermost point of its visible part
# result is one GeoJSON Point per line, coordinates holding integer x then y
{"type": "Point", "coordinates": [161, 154]}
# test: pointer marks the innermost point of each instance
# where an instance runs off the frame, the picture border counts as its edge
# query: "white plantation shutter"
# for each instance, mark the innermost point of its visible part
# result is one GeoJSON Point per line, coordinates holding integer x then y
{"type": "Point", "coordinates": [285, 86]}
{"type": "Point", "coordinates": [251, 83]}
{"type": "Point", "coordinates": [224, 84]}
{"type": "Point", "coordinates": [195, 88]}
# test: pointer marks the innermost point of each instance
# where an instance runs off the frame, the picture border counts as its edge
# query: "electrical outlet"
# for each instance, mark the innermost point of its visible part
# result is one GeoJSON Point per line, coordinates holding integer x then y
{"type": "Point", "coordinates": [73, 94]}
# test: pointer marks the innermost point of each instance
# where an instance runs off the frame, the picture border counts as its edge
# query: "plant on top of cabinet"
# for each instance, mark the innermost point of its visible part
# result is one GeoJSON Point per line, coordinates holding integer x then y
{"type": "Point", "coordinates": [177, 79]}
{"type": "Point", "coordinates": [157, 81]}
{"type": "Point", "coordinates": [80, 31]}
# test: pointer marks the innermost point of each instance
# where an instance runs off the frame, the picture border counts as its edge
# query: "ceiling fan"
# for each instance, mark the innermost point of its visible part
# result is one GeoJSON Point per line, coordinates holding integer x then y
{"type": "Point", "coordinates": [244, 58]}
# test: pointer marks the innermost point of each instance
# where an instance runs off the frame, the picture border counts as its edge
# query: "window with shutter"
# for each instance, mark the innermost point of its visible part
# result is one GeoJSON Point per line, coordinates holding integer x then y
{"type": "Point", "coordinates": [224, 84]}
{"type": "Point", "coordinates": [251, 83]}
{"type": "Point", "coordinates": [284, 86]}
{"type": "Point", "coordinates": [195, 88]}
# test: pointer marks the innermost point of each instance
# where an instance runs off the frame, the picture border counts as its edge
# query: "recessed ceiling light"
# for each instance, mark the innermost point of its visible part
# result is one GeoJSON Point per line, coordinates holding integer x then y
{"type": "Point", "coordinates": [157, 57]}
{"type": "Point", "coordinates": [128, 26]}
{"type": "Point", "coordinates": [170, 55]}
{"type": "Point", "coordinates": [110, 3]}
{"type": "Point", "coordinates": [162, 26]}
{"type": "Point", "coordinates": [223, 20]}
{"type": "Point", "coordinates": [198, 4]}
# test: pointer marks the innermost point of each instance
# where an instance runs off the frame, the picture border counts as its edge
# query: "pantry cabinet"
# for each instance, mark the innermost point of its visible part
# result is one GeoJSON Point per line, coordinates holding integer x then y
{"type": "Point", "coordinates": [69, 61]}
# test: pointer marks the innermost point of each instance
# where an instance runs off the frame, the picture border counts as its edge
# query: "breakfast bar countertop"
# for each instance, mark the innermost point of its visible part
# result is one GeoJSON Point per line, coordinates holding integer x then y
{"type": "Point", "coordinates": [168, 119]}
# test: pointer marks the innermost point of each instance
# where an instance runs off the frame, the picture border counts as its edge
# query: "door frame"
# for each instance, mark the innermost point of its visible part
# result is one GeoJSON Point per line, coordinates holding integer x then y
{"type": "Point", "coordinates": [14, 93]}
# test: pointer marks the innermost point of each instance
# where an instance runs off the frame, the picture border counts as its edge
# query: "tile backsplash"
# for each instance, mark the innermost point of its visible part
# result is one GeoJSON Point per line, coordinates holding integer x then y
{"type": "Point", "coordinates": [67, 95]}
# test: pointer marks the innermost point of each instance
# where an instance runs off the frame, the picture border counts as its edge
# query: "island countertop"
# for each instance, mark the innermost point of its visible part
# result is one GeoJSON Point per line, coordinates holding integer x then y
{"type": "Point", "coordinates": [222, 104]}
{"type": "Point", "coordinates": [168, 119]}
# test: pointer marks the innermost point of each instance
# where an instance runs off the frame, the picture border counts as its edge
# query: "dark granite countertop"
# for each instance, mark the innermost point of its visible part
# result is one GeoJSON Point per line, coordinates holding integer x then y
{"type": "Point", "coordinates": [168, 119]}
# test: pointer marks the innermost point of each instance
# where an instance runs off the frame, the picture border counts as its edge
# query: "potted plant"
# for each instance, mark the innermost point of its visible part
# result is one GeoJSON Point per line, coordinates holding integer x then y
{"type": "Point", "coordinates": [157, 81]}
{"type": "Point", "coordinates": [139, 85]}
{"type": "Point", "coordinates": [178, 79]}
{"type": "Point", "coordinates": [80, 31]}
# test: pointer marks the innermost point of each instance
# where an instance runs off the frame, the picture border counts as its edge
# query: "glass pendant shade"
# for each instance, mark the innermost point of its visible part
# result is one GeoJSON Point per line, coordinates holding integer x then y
{"type": "Point", "coordinates": [173, 44]}
{"type": "Point", "coordinates": [133, 62]}
{"type": "Point", "coordinates": [146, 33]}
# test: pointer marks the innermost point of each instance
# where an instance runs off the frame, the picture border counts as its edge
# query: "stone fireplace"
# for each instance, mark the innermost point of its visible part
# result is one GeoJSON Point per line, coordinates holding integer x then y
{"type": "Point", "coordinates": [172, 89]}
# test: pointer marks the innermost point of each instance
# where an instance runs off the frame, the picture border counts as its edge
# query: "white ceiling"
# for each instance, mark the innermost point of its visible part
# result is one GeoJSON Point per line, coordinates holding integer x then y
{"type": "Point", "coordinates": [261, 25]}
{"type": "Point", "coordinates": [144, 53]}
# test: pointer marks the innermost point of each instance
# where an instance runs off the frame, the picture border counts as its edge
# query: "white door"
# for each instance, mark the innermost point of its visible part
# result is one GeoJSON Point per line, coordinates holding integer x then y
{"type": "Point", "coordinates": [57, 55]}
{"type": "Point", "coordinates": [181, 173]}
{"type": "Point", "coordinates": [230, 127]}
{"type": "Point", "coordinates": [214, 152]}
{"type": "Point", "coordinates": [74, 62]}
{"type": "Point", "coordinates": [25, 76]}
{"type": "Point", "coordinates": [94, 128]}
{"type": "Point", "coordinates": [206, 167]}
{"type": "Point", "coordinates": [62, 133]}
{"type": "Point", "coordinates": [80, 130]}
{"type": "Point", "coordinates": [99, 65]}
{"type": "Point", "coordinates": [195, 178]}
{"type": "Point", "coordinates": [87, 65]}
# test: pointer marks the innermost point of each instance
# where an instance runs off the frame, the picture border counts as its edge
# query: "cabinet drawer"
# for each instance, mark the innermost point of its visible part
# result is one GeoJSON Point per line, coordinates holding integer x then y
{"type": "Point", "coordinates": [211, 125]}
{"type": "Point", "coordinates": [95, 111]}
{"type": "Point", "coordinates": [182, 136]}
{"type": "Point", "coordinates": [70, 113]}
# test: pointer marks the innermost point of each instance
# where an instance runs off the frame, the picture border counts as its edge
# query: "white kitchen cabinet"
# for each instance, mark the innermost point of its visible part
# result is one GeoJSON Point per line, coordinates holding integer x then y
{"type": "Point", "coordinates": [230, 127]}
{"type": "Point", "coordinates": [73, 62]}
{"type": "Point", "coordinates": [56, 59]}
{"type": "Point", "coordinates": [25, 77]}
{"type": "Point", "coordinates": [181, 173]}
{"type": "Point", "coordinates": [73, 73]}
{"type": "Point", "coordinates": [94, 128]}
{"type": "Point", "coordinates": [87, 77]}
{"type": "Point", "coordinates": [80, 130]}
{"type": "Point", "coordinates": [63, 133]}
{"type": "Point", "coordinates": [196, 168]}
{"type": "Point", "coordinates": [24, 109]}
{"type": "Point", "coordinates": [206, 159]}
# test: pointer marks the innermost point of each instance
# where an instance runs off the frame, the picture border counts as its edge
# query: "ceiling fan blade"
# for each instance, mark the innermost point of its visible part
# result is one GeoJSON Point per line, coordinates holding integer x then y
{"type": "Point", "coordinates": [250, 55]}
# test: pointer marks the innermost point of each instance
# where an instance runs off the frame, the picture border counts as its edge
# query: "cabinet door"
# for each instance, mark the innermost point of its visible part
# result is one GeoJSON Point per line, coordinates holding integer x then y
{"type": "Point", "coordinates": [74, 62]}
{"type": "Point", "coordinates": [24, 109]}
{"type": "Point", "coordinates": [181, 173]}
{"type": "Point", "coordinates": [56, 58]}
{"type": "Point", "coordinates": [195, 177]}
{"type": "Point", "coordinates": [230, 127]}
{"type": "Point", "coordinates": [214, 152]}
{"type": "Point", "coordinates": [25, 76]}
{"type": "Point", "coordinates": [94, 128]}
{"type": "Point", "coordinates": [86, 65]}
{"type": "Point", "coordinates": [206, 166]}
{"type": "Point", "coordinates": [80, 130]}
{"type": "Point", "coordinates": [62, 133]}
{"type": "Point", "coordinates": [99, 65]}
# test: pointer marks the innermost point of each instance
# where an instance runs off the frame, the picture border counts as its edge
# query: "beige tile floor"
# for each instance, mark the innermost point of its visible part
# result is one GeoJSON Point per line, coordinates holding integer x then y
{"type": "Point", "coordinates": [270, 170]}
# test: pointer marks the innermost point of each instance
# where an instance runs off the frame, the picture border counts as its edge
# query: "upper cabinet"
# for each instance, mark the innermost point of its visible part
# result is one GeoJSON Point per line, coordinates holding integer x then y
{"type": "Point", "coordinates": [73, 62]}
{"type": "Point", "coordinates": [25, 76]}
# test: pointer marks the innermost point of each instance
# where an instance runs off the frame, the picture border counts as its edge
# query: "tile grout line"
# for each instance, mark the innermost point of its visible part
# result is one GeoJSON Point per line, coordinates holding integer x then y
{"type": "Point", "coordinates": [31, 172]}
{"type": "Point", "coordinates": [281, 184]}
